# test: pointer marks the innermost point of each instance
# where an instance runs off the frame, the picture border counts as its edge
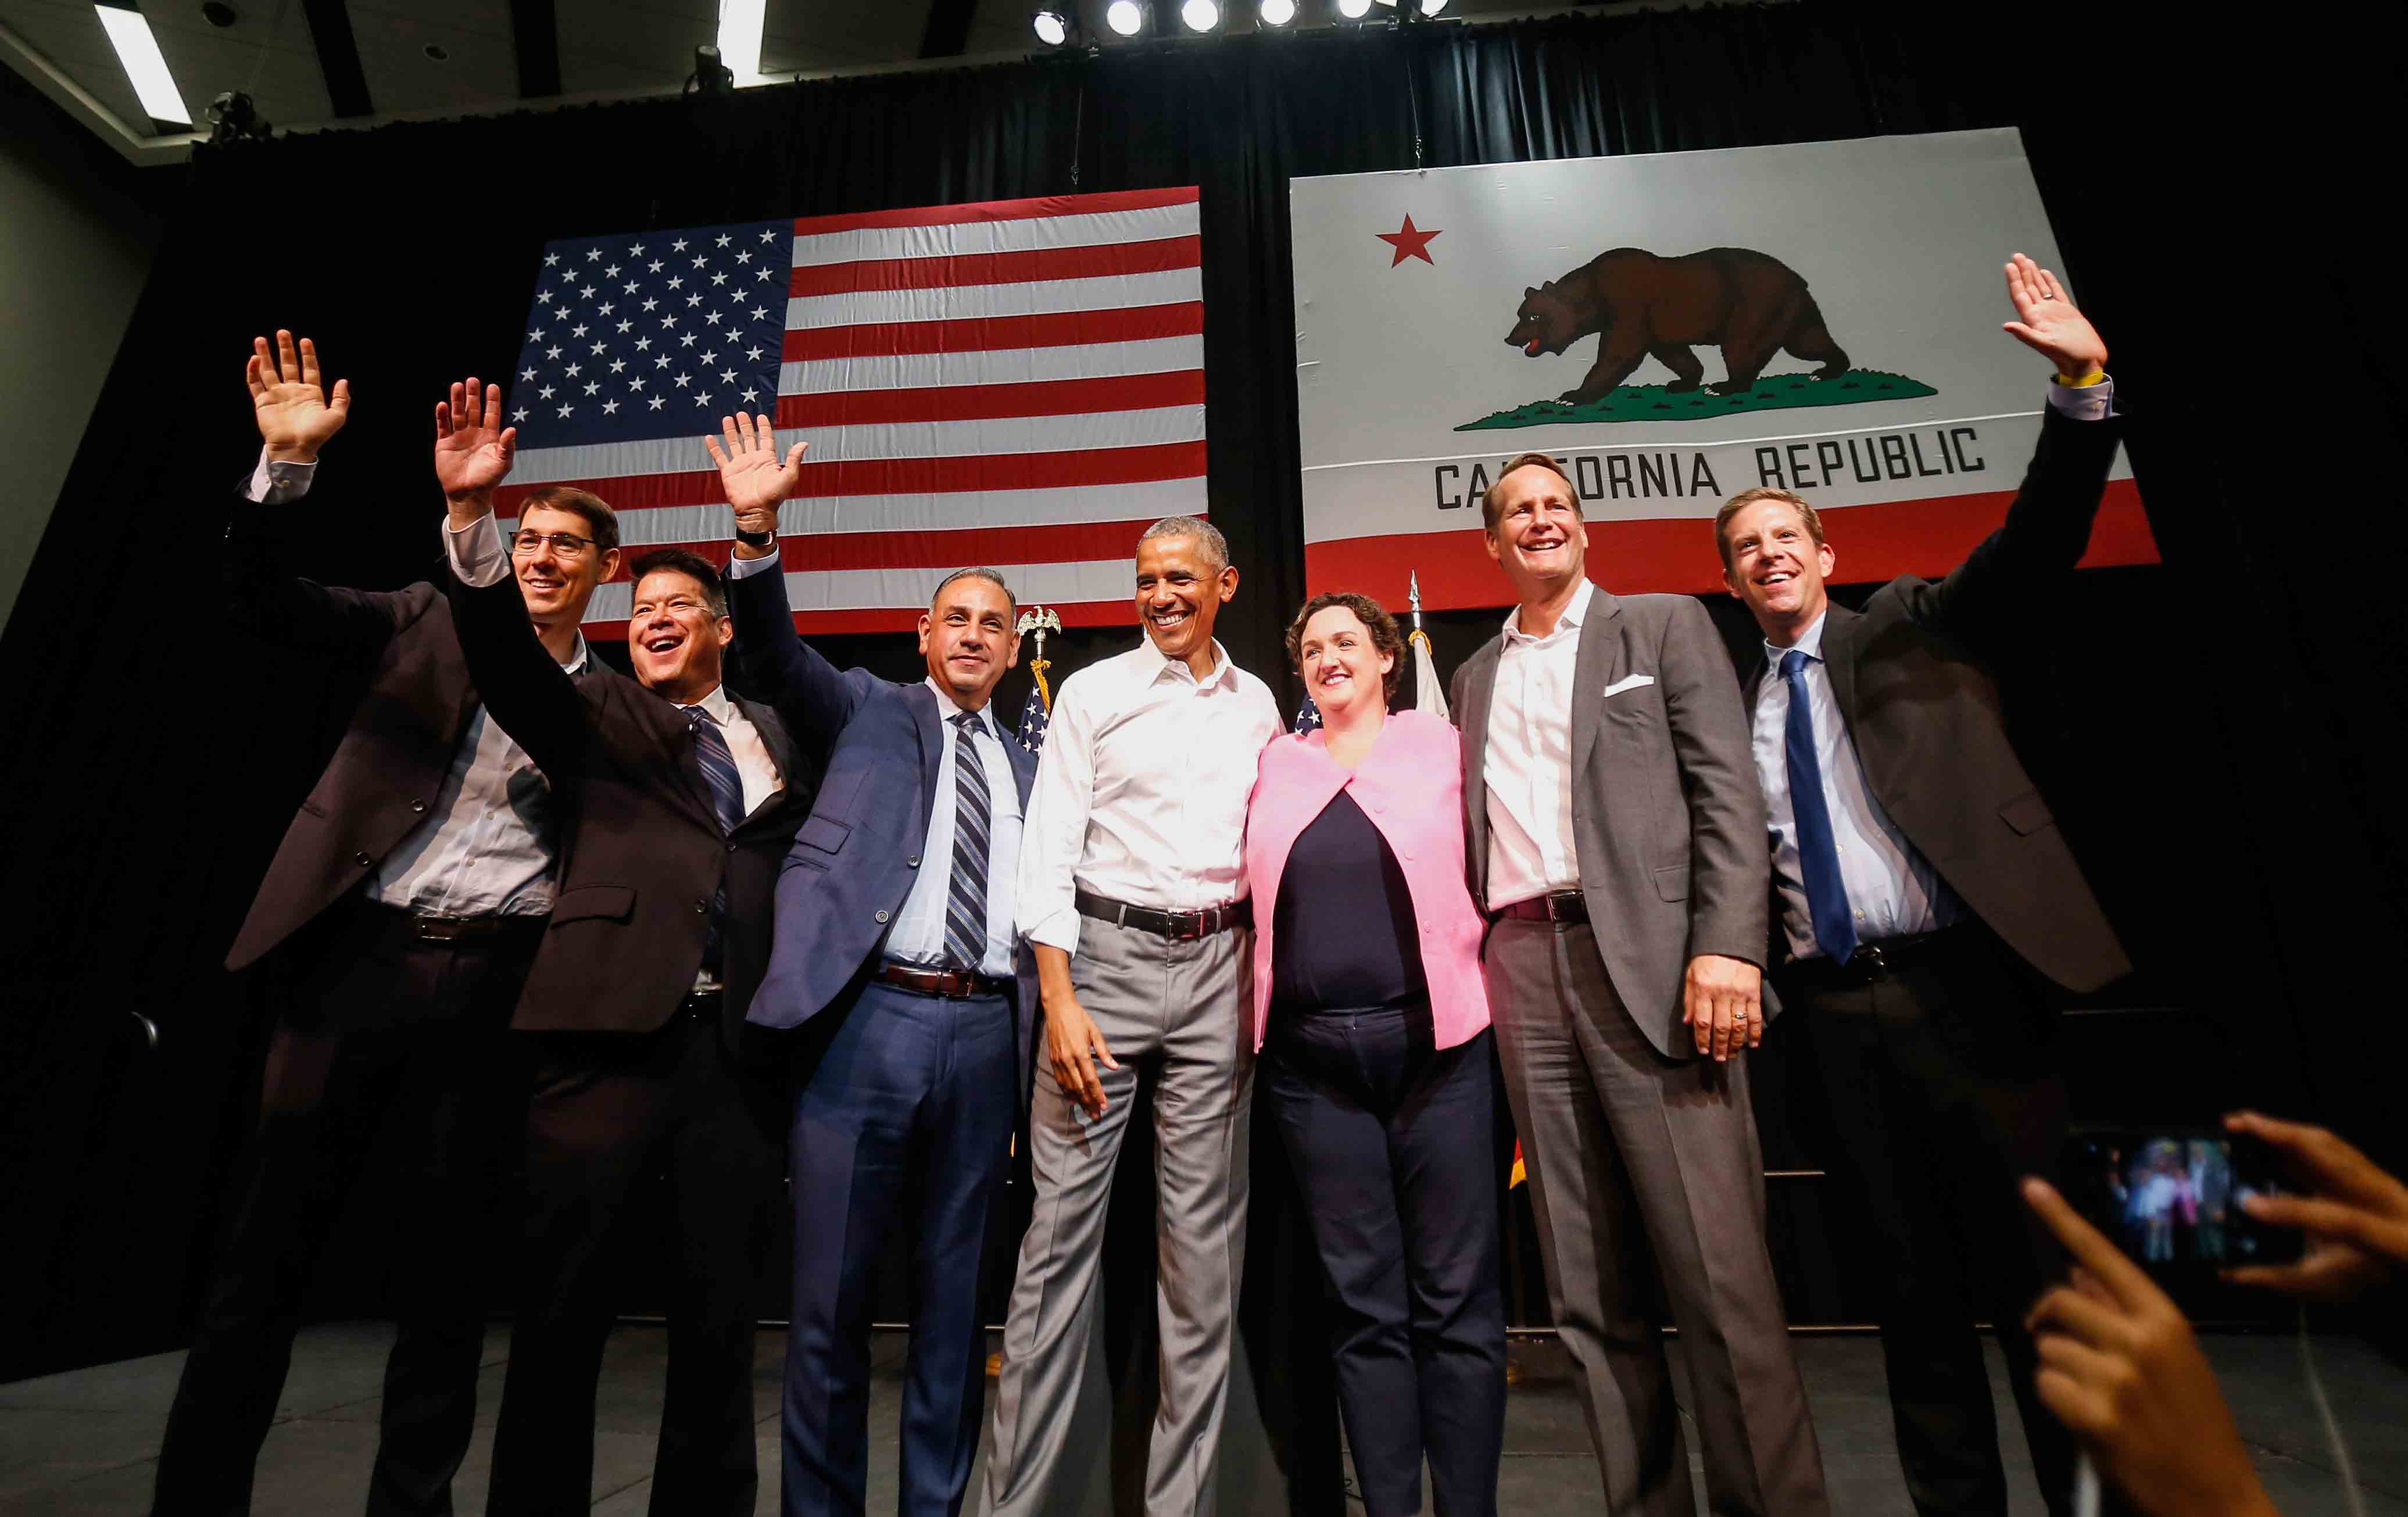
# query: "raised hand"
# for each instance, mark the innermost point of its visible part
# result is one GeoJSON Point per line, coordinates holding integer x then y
{"type": "Point", "coordinates": [472, 448]}
{"type": "Point", "coordinates": [2048, 322]}
{"type": "Point", "coordinates": [294, 415]}
{"type": "Point", "coordinates": [750, 472]}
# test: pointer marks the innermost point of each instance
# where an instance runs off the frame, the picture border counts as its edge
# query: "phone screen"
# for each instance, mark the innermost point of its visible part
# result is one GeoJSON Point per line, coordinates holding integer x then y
{"type": "Point", "coordinates": [2171, 1197]}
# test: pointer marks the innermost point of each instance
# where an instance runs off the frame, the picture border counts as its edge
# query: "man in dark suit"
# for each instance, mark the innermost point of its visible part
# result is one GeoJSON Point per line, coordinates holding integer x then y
{"type": "Point", "coordinates": [391, 935]}
{"type": "Point", "coordinates": [1606, 780]}
{"type": "Point", "coordinates": [897, 960]}
{"type": "Point", "coordinates": [680, 803]}
{"type": "Point", "coordinates": [1923, 892]}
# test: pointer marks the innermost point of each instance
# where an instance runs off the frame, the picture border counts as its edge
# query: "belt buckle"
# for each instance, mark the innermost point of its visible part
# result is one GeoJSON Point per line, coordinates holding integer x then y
{"type": "Point", "coordinates": [1871, 963]}
{"type": "Point", "coordinates": [428, 929]}
{"type": "Point", "coordinates": [1185, 927]}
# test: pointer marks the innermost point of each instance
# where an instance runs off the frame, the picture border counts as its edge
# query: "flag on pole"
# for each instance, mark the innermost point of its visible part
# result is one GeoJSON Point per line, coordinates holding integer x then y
{"type": "Point", "coordinates": [1307, 716]}
{"type": "Point", "coordinates": [1430, 690]}
{"type": "Point", "coordinates": [1015, 383]}
{"type": "Point", "coordinates": [1039, 709]}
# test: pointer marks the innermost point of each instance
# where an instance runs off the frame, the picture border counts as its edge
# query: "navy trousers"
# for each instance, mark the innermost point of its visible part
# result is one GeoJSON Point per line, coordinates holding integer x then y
{"type": "Point", "coordinates": [1393, 1148]}
{"type": "Point", "coordinates": [902, 1115]}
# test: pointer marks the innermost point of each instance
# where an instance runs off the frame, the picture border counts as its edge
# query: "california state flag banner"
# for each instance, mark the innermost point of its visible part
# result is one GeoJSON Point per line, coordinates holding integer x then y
{"type": "Point", "coordinates": [1674, 327]}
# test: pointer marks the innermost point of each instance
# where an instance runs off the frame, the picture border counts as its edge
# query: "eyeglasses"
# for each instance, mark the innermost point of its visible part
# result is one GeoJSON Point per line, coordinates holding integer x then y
{"type": "Point", "coordinates": [566, 544]}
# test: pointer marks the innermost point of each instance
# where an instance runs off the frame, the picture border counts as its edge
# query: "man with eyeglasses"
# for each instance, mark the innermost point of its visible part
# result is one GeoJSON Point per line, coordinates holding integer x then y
{"type": "Point", "coordinates": [391, 934]}
{"type": "Point", "coordinates": [682, 801]}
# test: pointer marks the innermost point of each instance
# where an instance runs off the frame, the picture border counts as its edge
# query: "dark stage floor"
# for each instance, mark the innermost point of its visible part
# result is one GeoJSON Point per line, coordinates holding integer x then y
{"type": "Point", "coordinates": [84, 1443]}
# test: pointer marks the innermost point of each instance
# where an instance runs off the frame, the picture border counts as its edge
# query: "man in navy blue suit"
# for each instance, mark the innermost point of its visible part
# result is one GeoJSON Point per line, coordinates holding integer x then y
{"type": "Point", "coordinates": [894, 955]}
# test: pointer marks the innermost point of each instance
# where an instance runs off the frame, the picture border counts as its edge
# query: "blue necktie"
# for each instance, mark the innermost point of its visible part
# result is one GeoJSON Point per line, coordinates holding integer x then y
{"type": "Point", "coordinates": [726, 787]}
{"type": "Point", "coordinates": [973, 822]}
{"type": "Point", "coordinates": [1818, 856]}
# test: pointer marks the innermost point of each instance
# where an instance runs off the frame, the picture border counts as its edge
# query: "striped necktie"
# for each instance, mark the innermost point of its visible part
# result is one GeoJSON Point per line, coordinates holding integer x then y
{"type": "Point", "coordinates": [726, 786]}
{"type": "Point", "coordinates": [973, 822]}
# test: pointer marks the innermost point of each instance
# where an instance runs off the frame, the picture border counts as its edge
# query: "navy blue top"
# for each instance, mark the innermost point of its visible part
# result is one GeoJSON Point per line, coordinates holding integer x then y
{"type": "Point", "coordinates": [1343, 933]}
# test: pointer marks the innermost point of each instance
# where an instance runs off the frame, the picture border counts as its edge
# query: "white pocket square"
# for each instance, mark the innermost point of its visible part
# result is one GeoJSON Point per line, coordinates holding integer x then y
{"type": "Point", "coordinates": [1636, 681]}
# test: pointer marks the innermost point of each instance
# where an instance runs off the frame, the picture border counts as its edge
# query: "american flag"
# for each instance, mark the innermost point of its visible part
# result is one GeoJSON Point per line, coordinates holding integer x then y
{"type": "Point", "coordinates": [1308, 715]}
{"type": "Point", "coordinates": [1013, 383]}
{"type": "Point", "coordinates": [1033, 717]}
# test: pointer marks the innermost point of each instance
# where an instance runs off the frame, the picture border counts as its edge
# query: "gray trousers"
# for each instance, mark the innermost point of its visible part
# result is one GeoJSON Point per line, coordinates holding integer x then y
{"type": "Point", "coordinates": [1186, 1008]}
{"type": "Point", "coordinates": [1643, 1171]}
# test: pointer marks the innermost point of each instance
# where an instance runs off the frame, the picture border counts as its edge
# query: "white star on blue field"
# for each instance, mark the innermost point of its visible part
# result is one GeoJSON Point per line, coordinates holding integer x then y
{"type": "Point", "coordinates": [650, 334]}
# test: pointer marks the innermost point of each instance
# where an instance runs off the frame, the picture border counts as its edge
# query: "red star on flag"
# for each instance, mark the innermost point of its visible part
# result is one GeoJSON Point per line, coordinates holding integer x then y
{"type": "Point", "coordinates": [1409, 243]}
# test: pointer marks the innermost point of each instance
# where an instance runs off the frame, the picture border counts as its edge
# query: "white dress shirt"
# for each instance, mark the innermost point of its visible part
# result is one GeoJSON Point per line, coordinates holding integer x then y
{"type": "Point", "coordinates": [1141, 794]}
{"type": "Point", "coordinates": [1892, 889]}
{"type": "Point", "coordinates": [1527, 766]}
{"type": "Point", "coordinates": [919, 933]}
{"type": "Point", "coordinates": [486, 845]}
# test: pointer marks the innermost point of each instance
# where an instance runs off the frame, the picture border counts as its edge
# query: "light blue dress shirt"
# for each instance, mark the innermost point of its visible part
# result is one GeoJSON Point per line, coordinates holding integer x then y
{"type": "Point", "coordinates": [918, 935]}
{"type": "Point", "coordinates": [1892, 889]}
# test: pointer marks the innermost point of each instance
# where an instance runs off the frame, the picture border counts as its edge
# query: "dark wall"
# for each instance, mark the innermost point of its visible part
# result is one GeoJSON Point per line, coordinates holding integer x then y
{"type": "Point", "coordinates": [2217, 733]}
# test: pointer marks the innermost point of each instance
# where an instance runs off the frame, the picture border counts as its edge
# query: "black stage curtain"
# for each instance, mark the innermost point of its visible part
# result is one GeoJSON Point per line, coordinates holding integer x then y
{"type": "Point", "coordinates": [2215, 731]}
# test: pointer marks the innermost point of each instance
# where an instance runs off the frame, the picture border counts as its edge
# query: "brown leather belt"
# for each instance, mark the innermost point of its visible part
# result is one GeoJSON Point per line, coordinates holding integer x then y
{"type": "Point", "coordinates": [428, 929]}
{"type": "Point", "coordinates": [1558, 906]}
{"type": "Point", "coordinates": [1179, 926]}
{"type": "Point", "coordinates": [953, 984]}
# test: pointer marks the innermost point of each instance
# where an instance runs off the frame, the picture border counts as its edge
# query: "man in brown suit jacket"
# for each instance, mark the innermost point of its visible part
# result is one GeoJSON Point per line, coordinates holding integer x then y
{"type": "Point", "coordinates": [391, 934]}
{"type": "Point", "coordinates": [1923, 892]}
{"type": "Point", "coordinates": [1606, 780]}
{"type": "Point", "coordinates": [680, 802]}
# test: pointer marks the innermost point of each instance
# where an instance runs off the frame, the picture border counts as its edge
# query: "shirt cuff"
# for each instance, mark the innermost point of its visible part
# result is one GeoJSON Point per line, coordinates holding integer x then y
{"type": "Point", "coordinates": [2093, 402]}
{"type": "Point", "coordinates": [476, 552]}
{"type": "Point", "coordinates": [277, 482]}
{"type": "Point", "coordinates": [744, 568]}
{"type": "Point", "coordinates": [1057, 928]}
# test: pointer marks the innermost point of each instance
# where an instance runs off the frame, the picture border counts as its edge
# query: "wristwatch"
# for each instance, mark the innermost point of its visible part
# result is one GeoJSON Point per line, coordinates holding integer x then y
{"type": "Point", "coordinates": [755, 539]}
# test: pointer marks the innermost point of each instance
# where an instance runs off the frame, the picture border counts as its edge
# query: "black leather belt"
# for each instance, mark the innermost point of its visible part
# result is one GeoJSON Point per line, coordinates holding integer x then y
{"type": "Point", "coordinates": [702, 1005]}
{"type": "Point", "coordinates": [1179, 926]}
{"type": "Point", "coordinates": [1874, 962]}
{"type": "Point", "coordinates": [953, 984]}
{"type": "Point", "coordinates": [1557, 906]}
{"type": "Point", "coordinates": [433, 929]}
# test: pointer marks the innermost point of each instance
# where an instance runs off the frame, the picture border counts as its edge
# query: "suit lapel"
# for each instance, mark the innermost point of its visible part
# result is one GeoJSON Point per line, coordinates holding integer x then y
{"type": "Point", "coordinates": [1840, 659]}
{"type": "Point", "coordinates": [1598, 664]}
{"type": "Point", "coordinates": [1479, 692]}
{"type": "Point", "coordinates": [922, 702]}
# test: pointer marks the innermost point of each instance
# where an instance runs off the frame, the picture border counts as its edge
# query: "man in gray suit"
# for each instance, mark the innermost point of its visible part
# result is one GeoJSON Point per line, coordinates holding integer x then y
{"type": "Point", "coordinates": [1607, 778]}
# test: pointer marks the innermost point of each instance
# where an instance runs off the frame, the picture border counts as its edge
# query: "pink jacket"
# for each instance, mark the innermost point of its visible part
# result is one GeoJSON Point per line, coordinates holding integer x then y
{"type": "Point", "coordinates": [1410, 785]}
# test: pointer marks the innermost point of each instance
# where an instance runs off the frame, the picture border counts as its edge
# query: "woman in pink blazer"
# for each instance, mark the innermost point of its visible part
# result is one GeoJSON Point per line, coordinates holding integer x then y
{"type": "Point", "coordinates": [1371, 1013]}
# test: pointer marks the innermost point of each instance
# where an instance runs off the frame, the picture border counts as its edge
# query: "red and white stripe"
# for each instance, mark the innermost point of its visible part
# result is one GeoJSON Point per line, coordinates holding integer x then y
{"type": "Point", "coordinates": [1015, 383]}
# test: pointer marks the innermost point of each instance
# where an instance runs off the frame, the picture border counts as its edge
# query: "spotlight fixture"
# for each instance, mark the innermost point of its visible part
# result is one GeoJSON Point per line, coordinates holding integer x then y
{"type": "Point", "coordinates": [219, 14]}
{"type": "Point", "coordinates": [1276, 12]}
{"type": "Point", "coordinates": [1431, 7]}
{"type": "Point", "coordinates": [139, 50]}
{"type": "Point", "coordinates": [1354, 11]}
{"type": "Point", "coordinates": [1200, 14]}
{"type": "Point", "coordinates": [1125, 17]}
{"type": "Point", "coordinates": [1052, 29]}
{"type": "Point", "coordinates": [740, 37]}
{"type": "Point", "coordinates": [709, 76]}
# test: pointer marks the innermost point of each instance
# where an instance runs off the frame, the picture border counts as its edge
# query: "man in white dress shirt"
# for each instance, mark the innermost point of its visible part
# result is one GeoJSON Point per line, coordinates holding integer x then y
{"type": "Point", "coordinates": [1132, 892]}
{"type": "Point", "coordinates": [1924, 891]}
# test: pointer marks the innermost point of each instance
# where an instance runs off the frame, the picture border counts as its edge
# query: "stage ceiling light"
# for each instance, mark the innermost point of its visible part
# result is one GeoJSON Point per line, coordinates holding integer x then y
{"type": "Point", "coordinates": [1052, 29]}
{"type": "Point", "coordinates": [1354, 11]}
{"type": "Point", "coordinates": [1277, 12]}
{"type": "Point", "coordinates": [1125, 16]}
{"type": "Point", "coordinates": [1200, 14]}
{"type": "Point", "coordinates": [139, 50]}
{"type": "Point", "coordinates": [1431, 7]}
{"type": "Point", "coordinates": [740, 37]}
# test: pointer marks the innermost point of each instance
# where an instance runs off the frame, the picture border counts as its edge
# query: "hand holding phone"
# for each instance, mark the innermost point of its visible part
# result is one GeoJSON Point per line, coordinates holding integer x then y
{"type": "Point", "coordinates": [2354, 1216]}
{"type": "Point", "coordinates": [2178, 1200]}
